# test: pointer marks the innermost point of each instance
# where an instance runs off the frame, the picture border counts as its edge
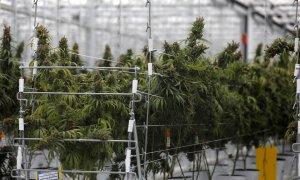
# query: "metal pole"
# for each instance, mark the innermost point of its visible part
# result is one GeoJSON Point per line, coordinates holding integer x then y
{"type": "Point", "coordinates": [21, 155]}
{"type": "Point", "coordinates": [119, 44]}
{"type": "Point", "coordinates": [15, 24]}
{"type": "Point", "coordinates": [132, 130]}
{"type": "Point", "coordinates": [57, 20]}
{"type": "Point", "coordinates": [149, 30]}
{"type": "Point", "coordinates": [296, 75]}
{"type": "Point", "coordinates": [266, 25]}
{"type": "Point", "coordinates": [78, 93]}
{"type": "Point", "coordinates": [137, 152]}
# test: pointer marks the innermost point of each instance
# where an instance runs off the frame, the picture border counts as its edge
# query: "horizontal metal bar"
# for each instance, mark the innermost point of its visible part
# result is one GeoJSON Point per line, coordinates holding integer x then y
{"type": "Point", "coordinates": [78, 140]}
{"type": "Point", "coordinates": [74, 171]}
{"type": "Point", "coordinates": [80, 67]}
{"type": "Point", "coordinates": [177, 125]}
{"type": "Point", "coordinates": [78, 93]}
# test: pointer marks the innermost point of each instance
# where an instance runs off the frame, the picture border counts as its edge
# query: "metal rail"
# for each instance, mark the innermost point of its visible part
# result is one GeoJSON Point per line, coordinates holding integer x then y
{"type": "Point", "coordinates": [71, 171]}
{"type": "Point", "coordinates": [81, 67]}
{"type": "Point", "coordinates": [78, 140]}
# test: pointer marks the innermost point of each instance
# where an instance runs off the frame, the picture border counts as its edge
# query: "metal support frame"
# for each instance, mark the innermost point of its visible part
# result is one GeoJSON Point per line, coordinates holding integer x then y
{"type": "Point", "coordinates": [133, 131]}
{"type": "Point", "coordinates": [21, 144]}
{"type": "Point", "coordinates": [136, 97]}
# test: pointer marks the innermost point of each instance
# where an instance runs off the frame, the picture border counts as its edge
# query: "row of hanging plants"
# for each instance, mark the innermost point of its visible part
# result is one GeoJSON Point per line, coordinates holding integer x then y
{"type": "Point", "coordinates": [202, 101]}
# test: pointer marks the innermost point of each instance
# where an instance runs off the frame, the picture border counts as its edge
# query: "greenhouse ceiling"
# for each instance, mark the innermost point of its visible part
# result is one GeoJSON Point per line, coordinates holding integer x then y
{"type": "Point", "coordinates": [122, 23]}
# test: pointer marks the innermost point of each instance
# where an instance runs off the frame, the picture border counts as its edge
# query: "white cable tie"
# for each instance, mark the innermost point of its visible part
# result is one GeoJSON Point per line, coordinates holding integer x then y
{"type": "Point", "coordinates": [296, 47]}
{"type": "Point", "coordinates": [34, 71]}
{"type": "Point", "coordinates": [35, 44]}
{"type": "Point", "coordinates": [196, 139]}
{"type": "Point", "coordinates": [130, 125]}
{"type": "Point", "coordinates": [128, 160]}
{"type": "Point", "coordinates": [21, 124]}
{"type": "Point", "coordinates": [298, 127]}
{"type": "Point", "coordinates": [19, 158]}
{"type": "Point", "coordinates": [134, 86]}
{"type": "Point", "coordinates": [298, 86]}
{"type": "Point", "coordinates": [168, 142]}
{"type": "Point", "coordinates": [150, 69]}
{"type": "Point", "coordinates": [296, 71]}
{"type": "Point", "coordinates": [21, 85]}
{"type": "Point", "coordinates": [150, 44]}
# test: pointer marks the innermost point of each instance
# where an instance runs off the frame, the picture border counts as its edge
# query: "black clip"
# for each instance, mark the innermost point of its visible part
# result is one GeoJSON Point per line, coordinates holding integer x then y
{"type": "Point", "coordinates": [148, 2]}
{"type": "Point", "coordinates": [148, 27]}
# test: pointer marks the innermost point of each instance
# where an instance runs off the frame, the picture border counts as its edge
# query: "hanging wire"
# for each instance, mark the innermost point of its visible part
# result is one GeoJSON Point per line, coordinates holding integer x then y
{"type": "Point", "coordinates": [98, 58]}
{"type": "Point", "coordinates": [190, 152]}
{"type": "Point", "coordinates": [209, 142]}
{"type": "Point", "coordinates": [87, 56]}
{"type": "Point", "coordinates": [204, 143]}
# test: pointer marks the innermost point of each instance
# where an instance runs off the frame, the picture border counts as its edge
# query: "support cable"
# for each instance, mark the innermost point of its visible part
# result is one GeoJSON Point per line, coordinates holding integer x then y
{"type": "Point", "coordinates": [209, 142]}
{"type": "Point", "coordinates": [190, 152]}
{"type": "Point", "coordinates": [206, 143]}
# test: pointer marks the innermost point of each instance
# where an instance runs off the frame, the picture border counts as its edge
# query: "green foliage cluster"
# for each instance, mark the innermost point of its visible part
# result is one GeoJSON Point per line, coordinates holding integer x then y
{"type": "Point", "coordinates": [224, 96]}
{"type": "Point", "coordinates": [9, 74]}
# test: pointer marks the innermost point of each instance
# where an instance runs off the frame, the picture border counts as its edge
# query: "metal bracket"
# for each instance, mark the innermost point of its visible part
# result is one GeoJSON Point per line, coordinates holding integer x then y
{"type": "Point", "coordinates": [11, 174]}
{"type": "Point", "coordinates": [294, 146]}
{"type": "Point", "coordinates": [147, 3]}
{"type": "Point", "coordinates": [21, 99]}
{"type": "Point", "coordinates": [148, 27]}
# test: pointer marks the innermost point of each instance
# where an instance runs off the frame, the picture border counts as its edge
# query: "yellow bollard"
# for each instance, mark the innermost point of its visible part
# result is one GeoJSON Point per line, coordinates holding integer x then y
{"type": "Point", "coordinates": [266, 158]}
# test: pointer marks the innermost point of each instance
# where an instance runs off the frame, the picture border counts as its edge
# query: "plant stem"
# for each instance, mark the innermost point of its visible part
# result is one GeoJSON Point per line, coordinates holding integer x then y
{"type": "Point", "coordinates": [180, 167]}
{"type": "Point", "coordinates": [235, 159]}
{"type": "Point", "coordinates": [207, 165]}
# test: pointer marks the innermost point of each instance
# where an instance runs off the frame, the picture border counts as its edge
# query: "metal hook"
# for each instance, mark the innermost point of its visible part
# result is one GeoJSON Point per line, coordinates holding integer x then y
{"type": "Point", "coordinates": [293, 147]}
{"type": "Point", "coordinates": [147, 3]}
{"type": "Point", "coordinates": [294, 80]}
{"type": "Point", "coordinates": [12, 174]}
{"type": "Point", "coordinates": [139, 97]}
{"type": "Point", "coordinates": [296, 25]}
{"type": "Point", "coordinates": [35, 3]}
{"type": "Point", "coordinates": [148, 27]}
{"type": "Point", "coordinates": [20, 99]}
